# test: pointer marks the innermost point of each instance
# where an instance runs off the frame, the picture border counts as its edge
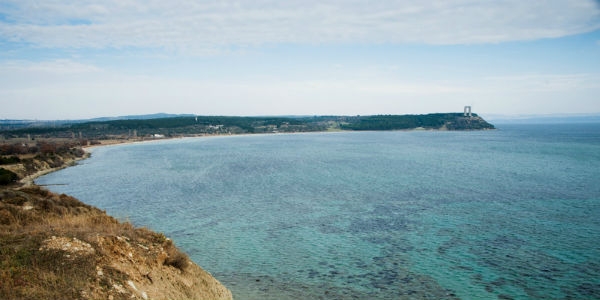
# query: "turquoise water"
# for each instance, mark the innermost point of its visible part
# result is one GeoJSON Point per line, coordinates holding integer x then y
{"type": "Point", "coordinates": [512, 213]}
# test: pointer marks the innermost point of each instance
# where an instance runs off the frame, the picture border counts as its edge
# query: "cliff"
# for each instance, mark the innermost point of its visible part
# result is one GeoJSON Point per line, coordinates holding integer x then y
{"type": "Point", "coordinates": [56, 247]}
{"type": "Point", "coordinates": [438, 121]}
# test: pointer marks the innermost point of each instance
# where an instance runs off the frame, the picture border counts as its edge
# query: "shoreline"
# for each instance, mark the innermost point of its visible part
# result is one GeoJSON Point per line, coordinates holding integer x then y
{"type": "Point", "coordinates": [30, 179]}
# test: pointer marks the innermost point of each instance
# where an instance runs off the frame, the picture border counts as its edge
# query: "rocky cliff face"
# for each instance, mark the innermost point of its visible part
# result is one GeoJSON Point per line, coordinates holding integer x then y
{"type": "Point", "coordinates": [56, 247]}
{"type": "Point", "coordinates": [467, 123]}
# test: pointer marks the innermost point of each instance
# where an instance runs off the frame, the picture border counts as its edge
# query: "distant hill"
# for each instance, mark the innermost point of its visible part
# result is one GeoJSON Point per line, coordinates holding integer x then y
{"type": "Point", "coordinates": [153, 126]}
{"type": "Point", "coordinates": [140, 117]}
{"type": "Point", "coordinates": [7, 124]}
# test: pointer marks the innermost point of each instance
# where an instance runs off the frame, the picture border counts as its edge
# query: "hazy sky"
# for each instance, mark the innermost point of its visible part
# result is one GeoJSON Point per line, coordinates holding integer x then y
{"type": "Point", "coordinates": [86, 58]}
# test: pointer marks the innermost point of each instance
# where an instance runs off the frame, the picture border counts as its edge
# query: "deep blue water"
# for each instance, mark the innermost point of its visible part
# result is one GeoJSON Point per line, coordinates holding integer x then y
{"type": "Point", "coordinates": [508, 213]}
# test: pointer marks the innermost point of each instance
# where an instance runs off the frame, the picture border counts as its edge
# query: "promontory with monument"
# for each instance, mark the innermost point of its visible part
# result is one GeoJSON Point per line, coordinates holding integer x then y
{"type": "Point", "coordinates": [163, 125]}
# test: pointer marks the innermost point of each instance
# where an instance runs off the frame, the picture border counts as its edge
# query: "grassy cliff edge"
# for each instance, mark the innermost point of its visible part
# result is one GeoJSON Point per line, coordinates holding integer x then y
{"type": "Point", "coordinates": [56, 247]}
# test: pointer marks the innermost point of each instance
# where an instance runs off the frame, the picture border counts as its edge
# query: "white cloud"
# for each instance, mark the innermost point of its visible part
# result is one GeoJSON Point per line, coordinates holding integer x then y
{"type": "Point", "coordinates": [25, 75]}
{"type": "Point", "coordinates": [200, 27]}
{"type": "Point", "coordinates": [59, 66]}
{"type": "Point", "coordinates": [546, 83]}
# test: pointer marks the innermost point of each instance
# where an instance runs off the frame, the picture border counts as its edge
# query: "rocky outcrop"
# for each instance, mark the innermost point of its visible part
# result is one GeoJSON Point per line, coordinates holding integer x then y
{"type": "Point", "coordinates": [467, 123]}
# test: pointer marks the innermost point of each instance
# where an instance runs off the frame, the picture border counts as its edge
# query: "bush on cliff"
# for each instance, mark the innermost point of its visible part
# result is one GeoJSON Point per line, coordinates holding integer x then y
{"type": "Point", "coordinates": [7, 177]}
{"type": "Point", "coordinates": [9, 160]}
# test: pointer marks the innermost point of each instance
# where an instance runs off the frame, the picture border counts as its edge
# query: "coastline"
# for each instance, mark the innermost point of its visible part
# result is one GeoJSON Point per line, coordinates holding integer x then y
{"type": "Point", "coordinates": [29, 180]}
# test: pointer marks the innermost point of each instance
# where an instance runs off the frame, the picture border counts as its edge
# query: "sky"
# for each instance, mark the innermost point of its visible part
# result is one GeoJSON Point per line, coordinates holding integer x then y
{"type": "Point", "coordinates": [85, 58]}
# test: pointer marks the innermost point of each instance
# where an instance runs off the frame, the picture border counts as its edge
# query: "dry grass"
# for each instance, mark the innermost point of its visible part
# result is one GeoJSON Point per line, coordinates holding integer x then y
{"type": "Point", "coordinates": [27, 218]}
{"type": "Point", "coordinates": [176, 258]}
{"type": "Point", "coordinates": [31, 215]}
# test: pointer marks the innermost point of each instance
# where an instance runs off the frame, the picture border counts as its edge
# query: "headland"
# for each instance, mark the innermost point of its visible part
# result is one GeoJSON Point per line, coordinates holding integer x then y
{"type": "Point", "coordinates": [115, 131]}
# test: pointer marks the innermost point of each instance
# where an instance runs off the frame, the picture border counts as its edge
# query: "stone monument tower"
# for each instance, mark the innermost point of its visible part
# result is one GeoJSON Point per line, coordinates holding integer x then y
{"type": "Point", "coordinates": [468, 111]}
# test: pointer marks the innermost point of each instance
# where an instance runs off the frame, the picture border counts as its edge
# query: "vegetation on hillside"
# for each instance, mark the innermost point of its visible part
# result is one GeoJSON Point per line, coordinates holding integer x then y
{"type": "Point", "coordinates": [24, 158]}
{"type": "Point", "coordinates": [7, 177]}
{"type": "Point", "coordinates": [207, 125]}
{"type": "Point", "coordinates": [448, 121]}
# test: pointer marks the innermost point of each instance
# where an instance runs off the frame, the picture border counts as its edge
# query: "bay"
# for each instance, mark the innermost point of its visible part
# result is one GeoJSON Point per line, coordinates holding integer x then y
{"type": "Point", "coordinates": [507, 213]}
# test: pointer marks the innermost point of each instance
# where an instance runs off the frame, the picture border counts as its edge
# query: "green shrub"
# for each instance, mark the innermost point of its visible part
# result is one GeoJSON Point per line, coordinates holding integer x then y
{"type": "Point", "coordinates": [9, 160]}
{"type": "Point", "coordinates": [7, 177]}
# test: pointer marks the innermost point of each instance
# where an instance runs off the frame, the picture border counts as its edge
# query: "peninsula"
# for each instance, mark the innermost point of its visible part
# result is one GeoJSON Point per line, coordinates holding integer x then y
{"type": "Point", "coordinates": [188, 125]}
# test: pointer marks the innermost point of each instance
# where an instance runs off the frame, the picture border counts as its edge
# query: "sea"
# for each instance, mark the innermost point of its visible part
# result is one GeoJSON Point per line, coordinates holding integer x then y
{"type": "Point", "coordinates": [511, 213]}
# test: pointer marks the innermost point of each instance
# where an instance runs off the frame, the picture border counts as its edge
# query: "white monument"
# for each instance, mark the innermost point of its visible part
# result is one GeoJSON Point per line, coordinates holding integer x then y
{"type": "Point", "coordinates": [468, 111]}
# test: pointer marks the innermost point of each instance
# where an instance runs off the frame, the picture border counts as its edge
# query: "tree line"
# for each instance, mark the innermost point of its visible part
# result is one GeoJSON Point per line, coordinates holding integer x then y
{"type": "Point", "coordinates": [236, 125]}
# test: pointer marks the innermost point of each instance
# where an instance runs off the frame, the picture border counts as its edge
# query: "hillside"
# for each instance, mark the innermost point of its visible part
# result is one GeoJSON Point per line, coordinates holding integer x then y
{"type": "Point", "coordinates": [56, 247]}
{"type": "Point", "coordinates": [442, 121]}
{"type": "Point", "coordinates": [137, 129]}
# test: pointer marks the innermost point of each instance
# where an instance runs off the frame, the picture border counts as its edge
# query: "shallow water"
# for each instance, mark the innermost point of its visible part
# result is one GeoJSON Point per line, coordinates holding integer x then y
{"type": "Point", "coordinates": [509, 213]}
